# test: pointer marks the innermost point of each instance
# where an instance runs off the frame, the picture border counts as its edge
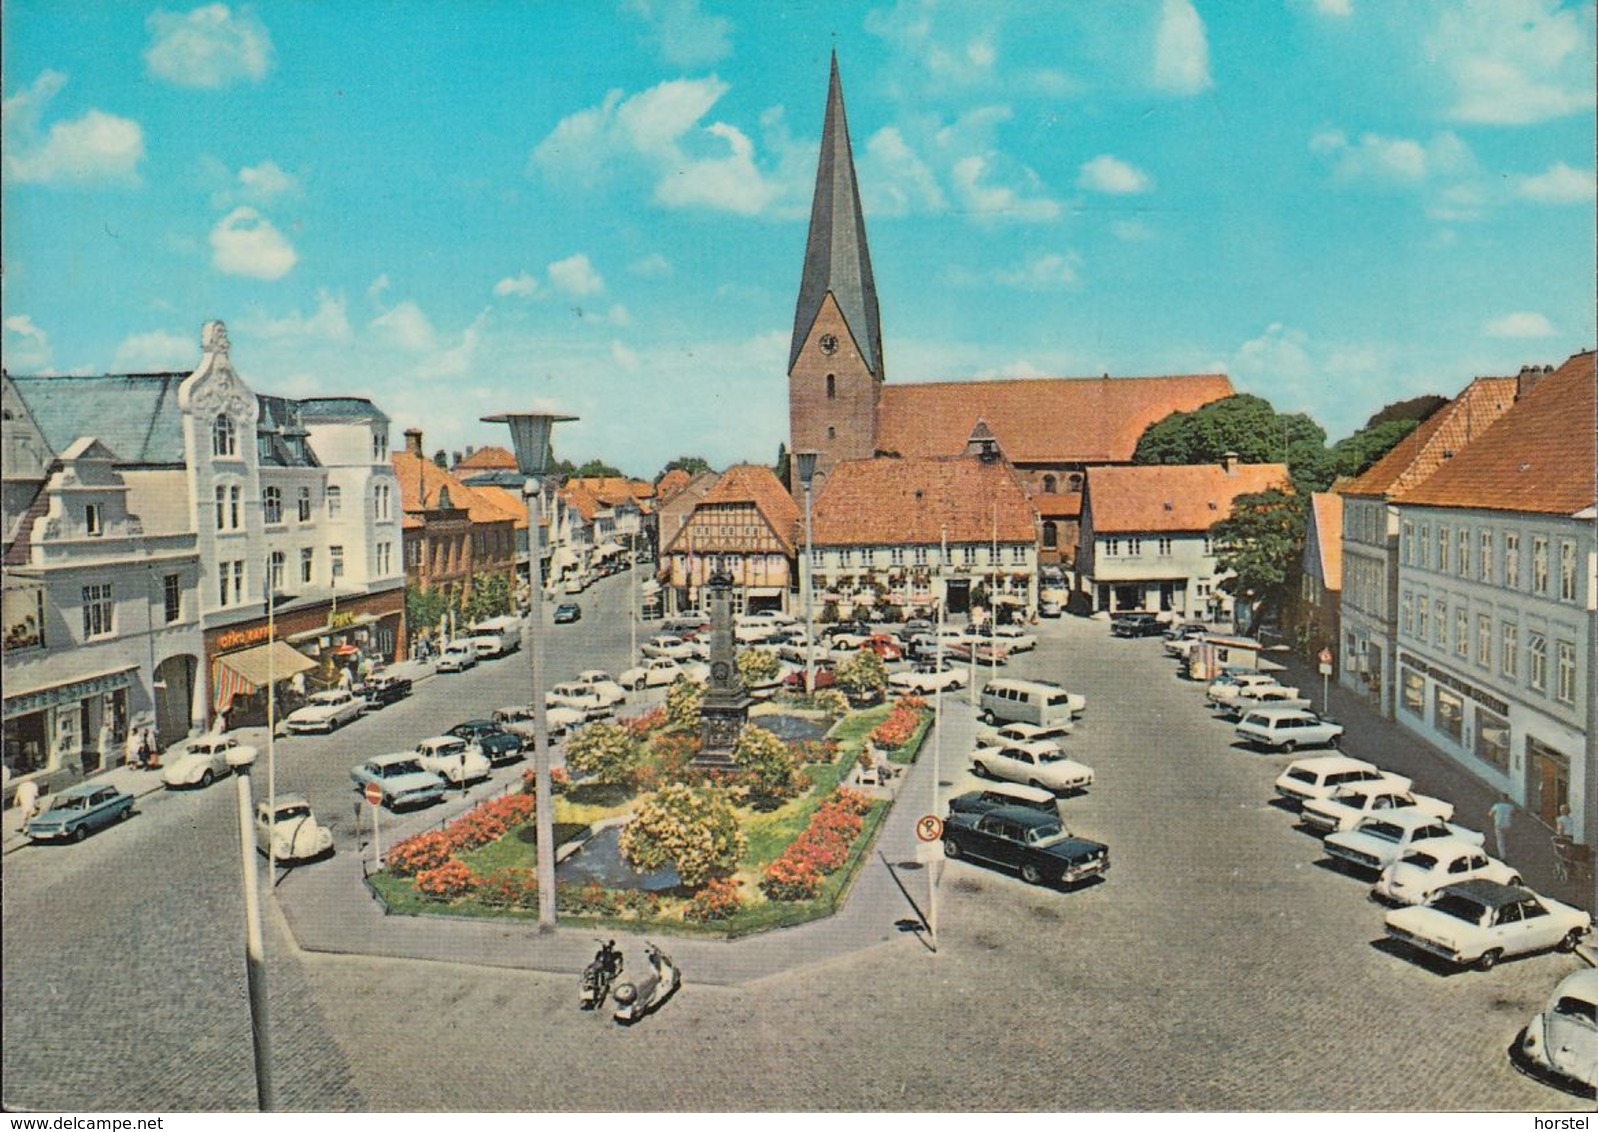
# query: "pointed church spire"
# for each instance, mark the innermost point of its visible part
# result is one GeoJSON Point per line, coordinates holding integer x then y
{"type": "Point", "coordinates": [836, 257]}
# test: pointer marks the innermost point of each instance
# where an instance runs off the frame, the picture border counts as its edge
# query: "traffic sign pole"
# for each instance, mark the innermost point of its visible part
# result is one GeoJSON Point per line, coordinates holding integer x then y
{"type": "Point", "coordinates": [374, 798]}
{"type": "Point", "coordinates": [1325, 659]}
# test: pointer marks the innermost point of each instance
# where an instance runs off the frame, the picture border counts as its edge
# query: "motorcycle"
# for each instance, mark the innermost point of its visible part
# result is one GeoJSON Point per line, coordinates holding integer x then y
{"type": "Point", "coordinates": [599, 975]}
{"type": "Point", "coordinates": [648, 992]}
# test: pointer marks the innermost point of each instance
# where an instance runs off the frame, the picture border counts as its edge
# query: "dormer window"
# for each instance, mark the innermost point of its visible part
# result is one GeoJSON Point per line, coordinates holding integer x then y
{"type": "Point", "coordinates": [224, 437]}
{"type": "Point", "coordinates": [1050, 485]}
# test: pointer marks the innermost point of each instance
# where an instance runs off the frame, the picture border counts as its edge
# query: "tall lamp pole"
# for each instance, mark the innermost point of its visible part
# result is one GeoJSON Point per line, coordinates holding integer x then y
{"type": "Point", "coordinates": [529, 434]}
{"type": "Point", "coordinates": [806, 466]}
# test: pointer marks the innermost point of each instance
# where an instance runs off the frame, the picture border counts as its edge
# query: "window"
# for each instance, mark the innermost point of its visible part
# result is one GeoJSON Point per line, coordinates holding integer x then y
{"type": "Point", "coordinates": [1565, 689]}
{"type": "Point", "coordinates": [277, 561]}
{"type": "Point", "coordinates": [335, 501]}
{"type": "Point", "coordinates": [1209, 545]}
{"type": "Point", "coordinates": [385, 559]}
{"type": "Point", "coordinates": [1018, 556]}
{"type": "Point", "coordinates": [1512, 560]}
{"type": "Point", "coordinates": [1425, 546]}
{"type": "Point", "coordinates": [1463, 565]}
{"type": "Point", "coordinates": [1051, 536]}
{"type": "Point", "coordinates": [238, 581]}
{"type": "Point", "coordinates": [381, 497]}
{"type": "Point", "coordinates": [94, 519]}
{"type": "Point", "coordinates": [272, 504]}
{"type": "Point", "coordinates": [379, 447]}
{"type": "Point", "coordinates": [1492, 738]}
{"type": "Point", "coordinates": [305, 505]}
{"type": "Point", "coordinates": [920, 556]}
{"type": "Point", "coordinates": [1444, 546]}
{"type": "Point", "coordinates": [1484, 640]}
{"type": "Point", "coordinates": [1414, 692]}
{"type": "Point", "coordinates": [1408, 543]}
{"type": "Point", "coordinates": [172, 597]}
{"type": "Point", "coordinates": [308, 563]}
{"type": "Point", "coordinates": [1567, 571]}
{"type": "Point", "coordinates": [1539, 565]}
{"type": "Point", "coordinates": [1050, 485]}
{"type": "Point", "coordinates": [224, 438]}
{"type": "Point", "coordinates": [1165, 547]}
{"type": "Point", "coordinates": [1112, 547]}
{"type": "Point", "coordinates": [1486, 560]}
{"type": "Point", "coordinates": [335, 556]}
{"type": "Point", "coordinates": [817, 558]}
{"type": "Point", "coordinates": [1461, 632]}
{"type": "Point", "coordinates": [968, 555]}
{"type": "Point", "coordinates": [896, 556]}
{"type": "Point", "coordinates": [1440, 626]}
{"type": "Point", "coordinates": [1509, 652]}
{"type": "Point", "coordinates": [97, 610]}
{"type": "Point", "coordinates": [832, 387]}
{"type": "Point", "coordinates": [1406, 605]}
{"type": "Point", "coordinates": [1420, 619]}
{"type": "Point", "coordinates": [832, 433]}
{"type": "Point", "coordinates": [1134, 546]}
{"type": "Point", "coordinates": [1448, 713]}
{"type": "Point", "coordinates": [221, 508]}
{"type": "Point", "coordinates": [1537, 661]}
{"type": "Point", "coordinates": [222, 574]}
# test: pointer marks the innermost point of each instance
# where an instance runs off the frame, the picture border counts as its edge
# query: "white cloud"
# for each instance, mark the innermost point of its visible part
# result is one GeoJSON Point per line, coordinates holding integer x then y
{"type": "Point", "coordinates": [265, 181]}
{"type": "Point", "coordinates": [623, 357]}
{"type": "Point", "coordinates": [375, 289]}
{"type": "Point", "coordinates": [457, 360]}
{"type": "Point", "coordinates": [1519, 324]}
{"type": "Point", "coordinates": [687, 37]}
{"type": "Point", "coordinates": [209, 47]}
{"type": "Point", "coordinates": [894, 179]}
{"type": "Point", "coordinates": [1132, 231]}
{"type": "Point", "coordinates": [1334, 7]}
{"type": "Point", "coordinates": [576, 276]}
{"type": "Point", "coordinates": [653, 266]}
{"type": "Point", "coordinates": [1106, 174]}
{"type": "Point", "coordinates": [1181, 50]}
{"type": "Point", "coordinates": [328, 322]}
{"type": "Point", "coordinates": [987, 201]}
{"type": "Point", "coordinates": [1515, 62]}
{"type": "Point", "coordinates": [404, 325]}
{"type": "Point", "coordinates": [1041, 272]}
{"type": "Point", "coordinates": [94, 147]}
{"type": "Point", "coordinates": [1558, 184]}
{"type": "Point", "coordinates": [157, 351]}
{"type": "Point", "coordinates": [523, 285]}
{"type": "Point", "coordinates": [1280, 355]}
{"type": "Point", "coordinates": [245, 243]}
{"type": "Point", "coordinates": [1392, 160]}
{"type": "Point", "coordinates": [619, 315]}
{"type": "Point", "coordinates": [26, 346]}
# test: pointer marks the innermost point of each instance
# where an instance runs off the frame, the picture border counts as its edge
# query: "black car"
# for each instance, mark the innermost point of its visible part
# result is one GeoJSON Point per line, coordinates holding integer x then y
{"type": "Point", "coordinates": [852, 628]}
{"type": "Point", "coordinates": [1136, 625]}
{"type": "Point", "coordinates": [1004, 794]}
{"type": "Point", "coordinates": [1036, 845]}
{"type": "Point", "coordinates": [567, 612]}
{"type": "Point", "coordinates": [498, 745]}
{"type": "Point", "coordinates": [380, 691]}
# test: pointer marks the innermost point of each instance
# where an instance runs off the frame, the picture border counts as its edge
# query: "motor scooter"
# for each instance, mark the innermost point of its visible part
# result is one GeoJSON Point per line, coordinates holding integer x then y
{"type": "Point", "coordinates": [647, 992]}
{"type": "Point", "coordinates": [599, 974]}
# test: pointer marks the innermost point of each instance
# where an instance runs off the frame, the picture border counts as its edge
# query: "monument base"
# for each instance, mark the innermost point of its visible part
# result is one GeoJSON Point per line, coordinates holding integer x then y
{"type": "Point", "coordinates": [720, 721]}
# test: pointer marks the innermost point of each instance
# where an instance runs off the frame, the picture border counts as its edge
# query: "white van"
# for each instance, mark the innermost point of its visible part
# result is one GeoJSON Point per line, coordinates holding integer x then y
{"type": "Point", "coordinates": [497, 636]}
{"type": "Point", "coordinates": [1029, 701]}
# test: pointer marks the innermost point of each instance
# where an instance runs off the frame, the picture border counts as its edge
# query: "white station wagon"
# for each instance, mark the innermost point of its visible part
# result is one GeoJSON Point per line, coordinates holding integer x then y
{"type": "Point", "coordinates": [1287, 729]}
{"type": "Point", "coordinates": [1320, 775]}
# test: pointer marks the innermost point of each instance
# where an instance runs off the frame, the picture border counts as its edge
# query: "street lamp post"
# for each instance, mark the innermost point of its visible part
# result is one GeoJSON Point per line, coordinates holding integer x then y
{"type": "Point", "coordinates": [806, 466]}
{"type": "Point", "coordinates": [530, 438]}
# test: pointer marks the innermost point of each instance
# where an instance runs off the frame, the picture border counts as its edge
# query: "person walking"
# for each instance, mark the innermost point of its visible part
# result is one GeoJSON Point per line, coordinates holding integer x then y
{"type": "Point", "coordinates": [27, 799]}
{"type": "Point", "coordinates": [1501, 813]}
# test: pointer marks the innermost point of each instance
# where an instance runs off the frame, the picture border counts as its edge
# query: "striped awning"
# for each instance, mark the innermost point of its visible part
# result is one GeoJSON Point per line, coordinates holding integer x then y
{"type": "Point", "coordinates": [240, 673]}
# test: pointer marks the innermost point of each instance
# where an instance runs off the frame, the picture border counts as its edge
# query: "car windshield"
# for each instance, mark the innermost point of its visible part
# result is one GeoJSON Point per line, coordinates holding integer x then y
{"type": "Point", "coordinates": [1050, 833]}
{"type": "Point", "coordinates": [1572, 1007]}
{"type": "Point", "coordinates": [1382, 830]}
{"type": "Point", "coordinates": [289, 813]}
{"type": "Point", "coordinates": [326, 698]}
{"type": "Point", "coordinates": [75, 802]}
{"type": "Point", "coordinates": [1460, 907]}
{"type": "Point", "coordinates": [1059, 699]}
{"type": "Point", "coordinates": [1420, 861]}
{"type": "Point", "coordinates": [1051, 757]}
{"type": "Point", "coordinates": [404, 766]}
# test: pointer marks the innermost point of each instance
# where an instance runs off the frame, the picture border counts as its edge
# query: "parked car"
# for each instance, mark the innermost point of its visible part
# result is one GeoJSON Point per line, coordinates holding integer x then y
{"type": "Point", "coordinates": [686, 627]}
{"type": "Point", "coordinates": [672, 648]}
{"type": "Point", "coordinates": [1351, 804]}
{"type": "Point", "coordinates": [927, 678]}
{"type": "Point", "coordinates": [885, 647]}
{"type": "Point", "coordinates": [603, 685]}
{"type": "Point", "coordinates": [578, 697]}
{"type": "Point", "coordinates": [1024, 733]}
{"type": "Point", "coordinates": [326, 711]}
{"type": "Point", "coordinates": [457, 656]}
{"type": "Point", "coordinates": [1029, 701]}
{"type": "Point", "coordinates": [659, 671]}
{"type": "Point", "coordinates": [848, 629]}
{"type": "Point", "coordinates": [1040, 764]}
{"type": "Point", "coordinates": [74, 813]}
{"type": "Point", "coordinates": [1136, 625]}
{"type": "Point", "coordinates": [1420, 873]}
{"type": "Point", "coordinates": [996, 794]}
{"type": "Point", "coordinates": [497, 636]}
{"type": "Point", "coordinates": [382, 689]}
{"type": "Point", "coordinates": [292, 830]}
{"type": "Point", "coordinates": [519, 721]}
{"type": "Point", "coordinates": [1563, 1038]}
{"type": "Point", "coordinates": [1319, 776]}
{"type": "Point", "coordinates": [1480, 922]}
{"type": "Point", "coordinates": [825, 678]}
{"type": "Point", "coordinates": [1036, 845]}
{"type": "Point", "coordinates": [1049, 607]}
{"type": "Point", "coordinates": [1377, 842]}
{"type": "Point", "coordinates": [1225, 687]}
{"type": "Point", "coordinates": [402, 779]}
{"type": "Point", "coordinates": [498, 745]}
{"type": "Point", "coordinates": [453, 759]}
{"type": "Point", "coordinates": [1261, 695]}
{"type": "Point", "coordinates": [567, 612]}
{"type": "Point", "coordinates": [1287, 729]}
{"type": "Point", "coordinates": [202, 762]}
{"type": "Point", "coordinates": [1014, 639]}
{"type": "Point", "coordinates": [981, 653]}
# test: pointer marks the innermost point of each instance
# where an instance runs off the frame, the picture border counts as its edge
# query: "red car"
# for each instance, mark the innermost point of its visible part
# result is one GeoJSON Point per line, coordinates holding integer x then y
{"type": "Point", "coordinates": [795, 681]}
{"type": "Point", "coordinates": [885, 647]}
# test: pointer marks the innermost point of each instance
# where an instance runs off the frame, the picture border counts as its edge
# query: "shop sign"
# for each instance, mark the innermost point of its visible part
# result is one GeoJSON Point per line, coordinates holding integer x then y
{"type": "Point", "coordinates": [232, 639]}
{"type": "Point", "coordinates": [65, 694]}
{"type": "Point", "coordinates": [341, 620]}
{"type": "Point", "coordinates": [1449, 680]}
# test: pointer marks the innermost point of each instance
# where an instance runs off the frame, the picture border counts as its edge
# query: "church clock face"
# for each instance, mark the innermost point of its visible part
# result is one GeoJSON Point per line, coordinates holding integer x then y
{"type": "Point", "coordinates": [829, 344]}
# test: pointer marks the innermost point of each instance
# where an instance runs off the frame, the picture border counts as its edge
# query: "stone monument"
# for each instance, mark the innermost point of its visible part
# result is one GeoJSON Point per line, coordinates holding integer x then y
{"type": "Point", "coordinates": [726, 704]}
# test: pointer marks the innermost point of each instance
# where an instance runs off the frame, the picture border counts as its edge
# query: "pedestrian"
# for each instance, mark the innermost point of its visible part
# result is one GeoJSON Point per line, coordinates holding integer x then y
{"type": "Point", "coordinates": [148, 759]}
{"type": "Point", "coordinates": [28, 798]}
{"type": "Point", "coordinates": [1501, 813]}
{"type": "Point", "coordinates": [1565, 825]}
{"type": "Point", "coordinates": [344, 679]}
{"type": "Point", "coordinates": [132, 749]}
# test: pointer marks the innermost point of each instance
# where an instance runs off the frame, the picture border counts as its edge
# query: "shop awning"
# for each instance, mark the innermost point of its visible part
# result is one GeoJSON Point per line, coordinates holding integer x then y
{"type": "Point", "coordinates": [242, 672]}
{"type": "Point", "coordinates": [565, 557]}
{"type": "Point", "coordinates": [608, 550]}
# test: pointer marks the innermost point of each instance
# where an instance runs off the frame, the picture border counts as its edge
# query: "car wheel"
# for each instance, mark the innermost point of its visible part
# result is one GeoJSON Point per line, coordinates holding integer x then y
{"type": "Point", "coordinates": [1335, 742]}
{"type": "Point", "coordinates": [1035, 784]}
{"type": "Point", "coordinates": [989, 718]}
{"type": "Point", "coordinates": [1572, 938]}
{"type": "Point", "coordinates": [640, 685]}
{"type": "Point", "coordinates": [1489, 959]}
{"type": "Point", "coordinates": [980, 770]}
{"type": "Point", "coordinates": [1289, 747]}
{"type": "Point", "coordinates": [124, 815]}
{"type": "Point", "coordinates": [80, 833]}
{"type": "Point", "coordinates": [1031, 873]}
{"type": "Point", "coordinates": [206, 778]}
{"type": "Point", "coordinates": [1515, 881]}
{"type": "Point", "coordinates": [951, 849]}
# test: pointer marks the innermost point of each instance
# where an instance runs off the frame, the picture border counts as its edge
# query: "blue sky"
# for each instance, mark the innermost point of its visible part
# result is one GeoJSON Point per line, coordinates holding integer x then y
{"type": "Point", "coordinates": [458, 208]}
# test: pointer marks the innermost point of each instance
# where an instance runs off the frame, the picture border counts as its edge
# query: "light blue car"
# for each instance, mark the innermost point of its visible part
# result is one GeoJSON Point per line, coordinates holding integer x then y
{"type": "Point", "coordinates": [402, 779]}
{"type": "Point", "coordinates": [78, 811]}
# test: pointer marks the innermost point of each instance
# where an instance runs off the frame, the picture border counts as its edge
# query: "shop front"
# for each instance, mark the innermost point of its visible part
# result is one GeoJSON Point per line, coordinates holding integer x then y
{"type": "Point", "coordinates": [62, 734]}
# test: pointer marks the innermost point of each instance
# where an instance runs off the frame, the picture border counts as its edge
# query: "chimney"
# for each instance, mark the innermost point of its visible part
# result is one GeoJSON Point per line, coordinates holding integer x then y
{"type": "Point", "coordinates": [1528, 378]}
{"type": "Point", "coordinates": [1229, 463]}
{"type": "Point", "coordinates": [413, 442]}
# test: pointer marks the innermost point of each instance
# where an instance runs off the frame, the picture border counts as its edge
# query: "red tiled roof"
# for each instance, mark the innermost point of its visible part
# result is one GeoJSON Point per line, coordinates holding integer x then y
{"type": "Point", "coordinates": [611, 490]}
{"type": "Point", "coordinates": [1448, 430]}
{"type": "Point", "coordinates": [1045, 420]}
{"type": "Point", "coordinates": [1067, 506]}
{"type": "Point", "coordinates": [421, 480]}
{"type": "Point", "coordinates": [505, 500]}
{"type": "Point", "coordinates": [757, 484]}
{"type": "Point", "coordinates": [1539, 457]}
{"type": "Point", "coordinates": [898, 502]}
{"type": "Point", "coordinates": [491, 457]}
{"type": "Point", "coordinates": [671, 483]}
{"type": "Point", "coordinates": [1173, 497]}
{"type": "Point", "coordinates": [580, 499]}
{"type": "Point", "coordinates": [1326, 512]}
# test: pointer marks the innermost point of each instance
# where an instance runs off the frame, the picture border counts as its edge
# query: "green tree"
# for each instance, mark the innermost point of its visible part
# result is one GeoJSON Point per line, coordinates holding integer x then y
{"type": "Point", "coordinates": [1247, 425]}
{"type": "Point", "coordinates": [1415, 409]}
{"type": "Point", "coordinates": [769, 762]}
{"type": "Point", "coordinates": [424, 608]}
{"type": "Point", "coordinates": [781, 468]}
{"type": "Point", "coordinates": [606, 752]}
{"type": "Point", "coordinates": [693, 465]}
{"type": "Point", "coordinates": [491, 597]}
{"type": "Point", "coordinates": [862, 676]}
{"type": "Point", "coordinates": [1353, 454]}
{"type": "Point", "coordinates": [757, 667]}
{"type": "Point", "coordinates": [593, 469]}
{"type": "Point", "coordinates": [683, 700]}
{"type": "Point", "coordinates": [695, 831]}
{"type": "Point", "coordinates": [1261, 544]}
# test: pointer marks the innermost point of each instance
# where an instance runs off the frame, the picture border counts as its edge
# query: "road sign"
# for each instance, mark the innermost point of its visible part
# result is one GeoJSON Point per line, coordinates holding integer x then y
{"type": "Point", "coordinates": [929, 828]}
{"type": "Point", "coordinates": [1325, 657]}
{"type": "Point", "coordinates": [374, 794]}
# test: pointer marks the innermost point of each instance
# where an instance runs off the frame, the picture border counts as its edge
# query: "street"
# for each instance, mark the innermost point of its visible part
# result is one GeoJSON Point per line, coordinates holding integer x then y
{"type": "Point", "coordinates": [1219, 966]}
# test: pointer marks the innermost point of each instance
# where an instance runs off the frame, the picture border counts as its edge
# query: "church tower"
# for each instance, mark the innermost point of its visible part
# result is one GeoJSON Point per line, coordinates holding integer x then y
{"type": "Point", "coordinates": [835, 368]}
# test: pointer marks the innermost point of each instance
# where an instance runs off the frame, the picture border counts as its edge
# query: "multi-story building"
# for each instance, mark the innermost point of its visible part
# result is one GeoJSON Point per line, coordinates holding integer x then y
{"type": "Point", "coordinates": [1146, 534]}
{"type": "Point", "coordinates": [1321, 575]}
{"type": "Point", "coordinates": [922, 533]}
{"type": "Point", "coordinates": [1368, 610]}
{"type": "Point", "coordinates": [746, 527]}
{"type": "Point", "coordinates": [453, 533]}
{"type": "Point", "coordinates": [1496, 598]}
